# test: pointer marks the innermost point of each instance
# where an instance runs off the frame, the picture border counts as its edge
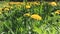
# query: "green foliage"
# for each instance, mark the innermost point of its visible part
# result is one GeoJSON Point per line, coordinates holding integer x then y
{"type": "Point", "coordinates": [13, 21]}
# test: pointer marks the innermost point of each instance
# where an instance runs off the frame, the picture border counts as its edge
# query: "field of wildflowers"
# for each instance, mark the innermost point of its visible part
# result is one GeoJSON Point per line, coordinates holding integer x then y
{"type": "Point", "coordinates": [29, 17]}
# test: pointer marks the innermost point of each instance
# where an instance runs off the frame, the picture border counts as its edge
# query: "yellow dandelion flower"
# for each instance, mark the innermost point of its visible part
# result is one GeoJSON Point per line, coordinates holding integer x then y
{"type": "Point", "coordinates": [11, 2]}
{"type": "Point", "coordinates": [27, 6]}
{"type": "Point", "coordinates": [14, 3]}
{"type": "Point", "coordinates": [27, 14]}
{"type": "Point", "coordinates": [0, 9]}
{"type": "Point", "coordinates": [11, 7]}
{"type": "Point", "coordinates": [0, 12]}
{"type": "Point", "coordinates": [6, 9]}
{"type": "Point", "coordinates": [57, 12]}
{"type": "Point", "coordinates": [37, 17]}
{"type": "Point", "coordinates": [53, 3]}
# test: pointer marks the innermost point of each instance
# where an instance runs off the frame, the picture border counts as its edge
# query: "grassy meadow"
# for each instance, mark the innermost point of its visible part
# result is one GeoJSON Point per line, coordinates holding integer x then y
{"type": "Point", "coordinates": [30, 17]}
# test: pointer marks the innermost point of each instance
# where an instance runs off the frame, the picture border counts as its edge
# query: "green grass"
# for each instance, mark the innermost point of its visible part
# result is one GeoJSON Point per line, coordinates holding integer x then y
{"type": "Point", "coordinates": [13, 21]}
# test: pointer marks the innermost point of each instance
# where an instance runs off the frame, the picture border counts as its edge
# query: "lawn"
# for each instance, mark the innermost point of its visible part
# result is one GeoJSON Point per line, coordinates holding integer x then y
{"type": "Point", "coordinates": [30, 17]}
